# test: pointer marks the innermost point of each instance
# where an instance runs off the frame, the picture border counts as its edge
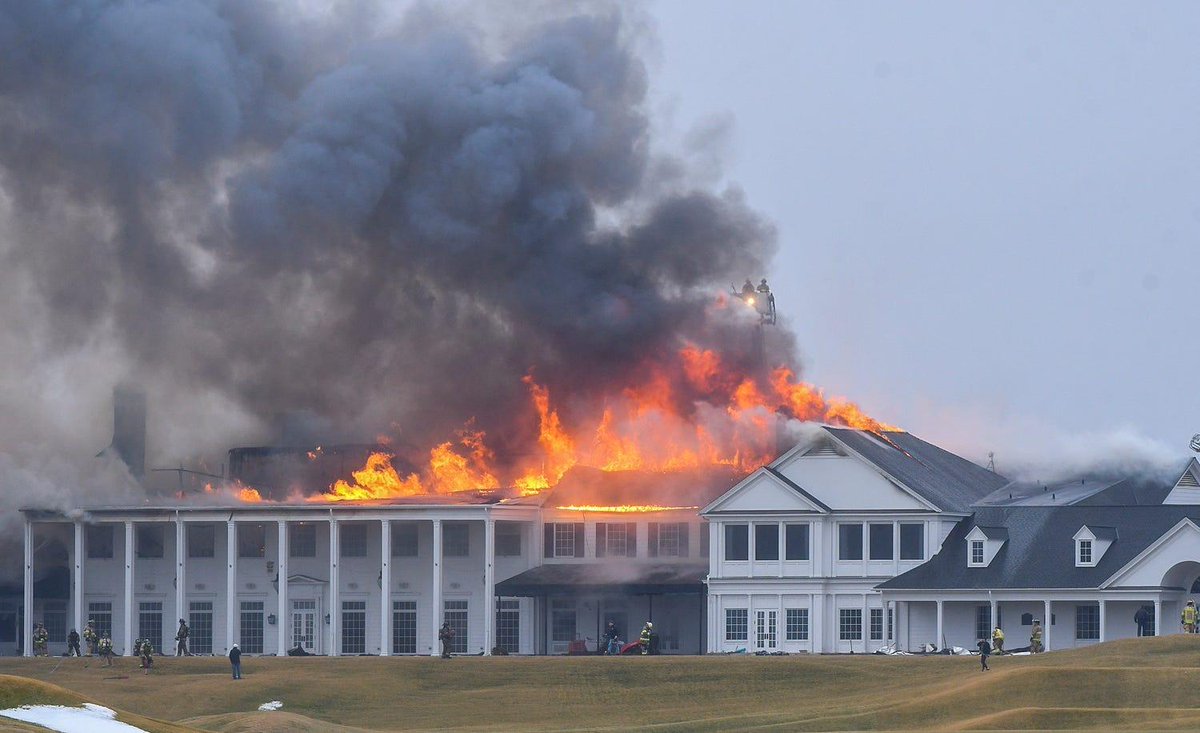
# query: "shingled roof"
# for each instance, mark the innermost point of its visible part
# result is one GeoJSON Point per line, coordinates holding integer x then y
{"type": "Point", "coordinates": [949, 482]}
{"type": "Point", "coordinates": [1040, 550]}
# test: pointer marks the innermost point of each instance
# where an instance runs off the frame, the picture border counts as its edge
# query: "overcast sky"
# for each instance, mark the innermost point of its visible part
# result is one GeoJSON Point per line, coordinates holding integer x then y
{"type": "Point", "coordinates": [988, 212]}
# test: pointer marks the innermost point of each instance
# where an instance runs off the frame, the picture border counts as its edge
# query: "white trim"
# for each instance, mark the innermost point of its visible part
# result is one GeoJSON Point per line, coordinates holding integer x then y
{"type": "Point", "coordinates": [743, 485]}
{"type": "Point", "coordinates": [1129, 566]}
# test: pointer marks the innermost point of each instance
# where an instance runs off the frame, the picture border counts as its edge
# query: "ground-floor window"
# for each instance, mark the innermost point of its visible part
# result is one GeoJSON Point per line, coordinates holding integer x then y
{"type": "Point", "coordinates": [562, 623]}
{"type": "Point", "coordinates": [100, 613]}
{"type": "Point", "coordinates": [850, 622]}
{"type": "Point", "coordinates": [150, 623]}
{"type": "Point", "coordinates": [251, 640]}
{"type": "Point", "coordinates": [200, 619]}
{"type": "Point", "coordinates": [876, 624]}
{"type": "Point", "coordinates": [797, 624]}
{"type": "Point", "coordinates": [737, 624]}
{"type": "Point", "coordinates": [456, 616]}
{"type": "Point", "coordinates": [983, 622]}
{"type": "Point", "coordinates": [354, 627]}
{"type": "Point", "coordinates": [508, 625]}
{"type": "Point", "coordinates": [54, 615]}
{"type": "Point", "coordinates": [404, 627]}
{"type": "Point", "coordinates": [891, 625]}
{"type": "Point", "coordinates": [1087, 622]}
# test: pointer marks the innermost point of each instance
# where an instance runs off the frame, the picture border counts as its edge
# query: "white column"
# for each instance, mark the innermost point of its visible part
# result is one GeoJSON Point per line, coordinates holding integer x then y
{"type": "Point", "coordinates": [995, 616]}
{"type": "Point", "coordinates": [231, 604]}
{"type": "Point", "coordinates": [1103, 615]}
{"type": "Point", "coordinates": [335, 611]}
{"type": "Point", "coordinates": [77, 580]}
{"type": "Point", "coordinates": [385, 588]}
{"type": "Point", "coordinates": [281, 565]}
{"type": "Point", "coordinates": [751, 556]}
{"type": "Point", "coordinates": [1047, 623]}
{"type": "Point", "coordinates": [1158, 617]}
{"type": "Point", "coordinates": [866, 637]}
{"type": "Point", "coordinates": [782, 553]}
{"type": "Point", "coordinates": [940, 631]}
{"type": "Point", "coordinates": [128, 615]}
{"type": "Point", "coordinates": [180, 573]}
{"type": "Point", "coordinates": [435, 598]}
{"type": "Point", "coordinates": [489, 584]}
{"type": "Point", "coordinates": [27, 621]}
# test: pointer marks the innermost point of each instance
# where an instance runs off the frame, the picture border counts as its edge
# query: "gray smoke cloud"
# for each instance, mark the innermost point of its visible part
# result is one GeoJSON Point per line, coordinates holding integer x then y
{"type": "Point", "coordinates": [382, 222]}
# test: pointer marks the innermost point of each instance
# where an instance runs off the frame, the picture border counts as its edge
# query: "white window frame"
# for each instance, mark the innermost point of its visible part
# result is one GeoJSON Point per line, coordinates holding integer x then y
{"type": "Point", "coordinates": [976, 548]}
{"type": "Point", "coordinates": [564, 539]}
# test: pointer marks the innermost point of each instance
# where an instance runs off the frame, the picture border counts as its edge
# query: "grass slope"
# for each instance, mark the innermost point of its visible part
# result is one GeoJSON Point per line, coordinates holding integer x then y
{"type": "Point", "coordinates": [1136, 684]}
{"type": "Point", "coordinates": [16, 691]}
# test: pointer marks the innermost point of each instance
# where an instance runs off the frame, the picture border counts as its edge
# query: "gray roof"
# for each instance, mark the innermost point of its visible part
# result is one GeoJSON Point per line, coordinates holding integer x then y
{"type": "Point", "coordinates": [995, 533]}
{"type": "Point", "coordinates": [1091, 491]}
{"type": "Point", "coordinates": [949, 482]}
{"type": "Point", "coordinates": [1040, 551]}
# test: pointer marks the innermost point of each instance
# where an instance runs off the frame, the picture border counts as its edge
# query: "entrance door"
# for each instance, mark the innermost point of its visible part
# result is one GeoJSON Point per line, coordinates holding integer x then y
{"type": "Point", "coordinates": [304, 626]}
{"type": "Point", "coordinates": [766, 621]}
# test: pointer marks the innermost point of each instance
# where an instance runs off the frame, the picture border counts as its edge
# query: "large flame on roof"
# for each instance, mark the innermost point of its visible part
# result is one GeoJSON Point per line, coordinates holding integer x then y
{"type": "Point", "coordinates": [690, 413]}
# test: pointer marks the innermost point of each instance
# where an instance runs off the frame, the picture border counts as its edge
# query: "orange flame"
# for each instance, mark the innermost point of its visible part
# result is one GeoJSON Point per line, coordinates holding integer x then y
{"type": "Point", "coordinates": [624, 508]}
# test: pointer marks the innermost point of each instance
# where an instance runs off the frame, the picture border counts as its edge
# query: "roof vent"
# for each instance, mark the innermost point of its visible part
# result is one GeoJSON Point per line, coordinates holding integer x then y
{"type": "Point", "coordinates": [1188, 479]}
{"type": "Point", "coordinates": [825, 448]}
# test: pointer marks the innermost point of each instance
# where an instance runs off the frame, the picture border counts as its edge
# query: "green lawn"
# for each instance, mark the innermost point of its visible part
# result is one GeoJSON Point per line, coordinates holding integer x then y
{"type": "Point", "coordinates": [1133, 684]}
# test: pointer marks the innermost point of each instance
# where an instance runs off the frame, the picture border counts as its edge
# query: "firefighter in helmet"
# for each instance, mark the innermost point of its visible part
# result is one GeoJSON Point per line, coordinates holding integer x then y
{"type": "Point", "coordinates": [90, 637]}
{"type": "Point", "coordinates": [646, 635]}
{"type": "Point", "coordinates": [105, 648]}
{"type": "Point", "coordinates": [1035, 637]}
{"type": "Point", "coordinates": [41, 641]}
{"type": "Point", "coordinates": [998, 640]}
{"type": "Point", "coordinates": [1188, 617]}
{"type": "Point", "coordinates": [763, 287]}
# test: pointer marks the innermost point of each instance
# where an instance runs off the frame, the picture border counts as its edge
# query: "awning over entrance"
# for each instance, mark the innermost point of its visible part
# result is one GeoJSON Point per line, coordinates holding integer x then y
{"type": "Point", "coordinates": [592, 578]}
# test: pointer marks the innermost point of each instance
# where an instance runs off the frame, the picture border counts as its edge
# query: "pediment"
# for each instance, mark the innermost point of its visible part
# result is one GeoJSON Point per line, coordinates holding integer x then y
{"type": "Point", "coordinates": [1187, 487]}
{"type": "Point", "coordinates": [764, 491]}
{"type": "Point", "coordinates": [1162, 560]}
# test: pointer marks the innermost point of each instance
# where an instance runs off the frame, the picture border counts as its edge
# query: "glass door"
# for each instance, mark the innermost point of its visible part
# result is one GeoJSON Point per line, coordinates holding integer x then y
{"type": "Point", "coordinates": [304, 626]}
{"type": "Point", "coordinates": [766, 622]}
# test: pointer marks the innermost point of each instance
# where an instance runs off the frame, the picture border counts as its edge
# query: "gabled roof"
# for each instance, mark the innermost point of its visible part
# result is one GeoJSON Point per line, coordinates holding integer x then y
{"type": "Point", "coordinates": [1040, 552]}
{"type": "Point", "coordinates": [949, 482]}
{"type": "Point", "coordinates": [995, 533]}
{"type": "Point", "coordinates": [721, 502]}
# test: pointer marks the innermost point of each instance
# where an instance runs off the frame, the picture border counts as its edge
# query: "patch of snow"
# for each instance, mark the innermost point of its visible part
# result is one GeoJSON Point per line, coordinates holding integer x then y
{"type": "Point", "coordinates": [88, 719]}
{"type": "Point", "coordinates": [273, 705]}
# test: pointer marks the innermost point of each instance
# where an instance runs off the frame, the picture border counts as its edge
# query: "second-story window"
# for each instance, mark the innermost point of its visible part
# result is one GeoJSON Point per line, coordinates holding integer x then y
{"type": "Point", "coordinates": [912, 541]}
{"type": "Point", "coordinates": [766, 542]}
{"type": "Point", "coordinates": [796, 543]}
{"type": "Point", "coordinates": [668, 539]}
{"type": "Point", "coordinates": [302, 539]}
{"type": "Point", "coordinates": [202, 540]}
{"type": "Point", "coordinates": [616, 539]}
{"type": "Point", "coordinates": [99, 541]}
{"type": "Point", "coordinates": [850, 542]}
{"type": "Point", "coordinates": [564, 539]}
{"type": "Point", "coordinates": [1085, 552]}
{"type": "Point", "coordinates": [881, 541]}
{"type": "Point", "coordinates": [252, 540]}
{"type": "Point", "coordinates": [737, 542]}
{"type": "Point", "coordinates": [508, 539]}
{"type": "Point", "coordinates": [976, 552]}
{"type": "Point", "coordinates": [150, 540]}
{"type": "Point", "coordinates": [456, 539]}
{"type": "Point", "coordinates": [405, 539]}
{"type": "Point", "coordinates": [353, 538]}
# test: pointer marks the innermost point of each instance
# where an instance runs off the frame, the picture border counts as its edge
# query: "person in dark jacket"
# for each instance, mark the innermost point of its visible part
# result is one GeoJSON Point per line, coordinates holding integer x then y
{"type": "Point", "coordinates": [984, 650]}
{"type": "Point", "coordinates": [73, 644]}
{"type": "Point", "coordinates": [612, 645]}
{"type": "Point", "coordinates": [181, 639]}
{"type": "Point", "coordinates": [235, 661]}
{"type": "Point", "coordinates": [446, 636]}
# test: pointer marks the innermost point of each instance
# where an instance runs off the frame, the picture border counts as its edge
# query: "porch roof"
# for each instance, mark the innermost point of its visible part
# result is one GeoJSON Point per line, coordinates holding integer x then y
{"type": "Point", "coordinates": [566, 579]}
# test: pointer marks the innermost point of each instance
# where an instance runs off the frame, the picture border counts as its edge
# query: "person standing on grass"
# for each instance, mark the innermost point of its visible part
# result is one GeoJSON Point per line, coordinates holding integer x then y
{"type": "Point", "coordinates": [73, 644]}
{"type": "Point", "coordinates": [1188, 617]}
{"type": "Point", "coordinates": [1035, 637]}
{"type": "Point", "coordinates": [90, 637]}
{"type": "Point", "coordinates": [998, 640]}
{"type": "Point", "coordinates": [105, 649]}
{"type": "Point", "coordinates": [446, 636]}
{"type": "Point", "coordinates": [181, 637]}
{"type": "Point", "coordinates": [984, 650]}
{"type": "Point", "coordinates": [235, 661]}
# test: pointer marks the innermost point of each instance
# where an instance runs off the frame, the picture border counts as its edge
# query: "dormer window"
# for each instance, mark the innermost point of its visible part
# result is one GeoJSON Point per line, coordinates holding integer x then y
{"type": "Point", "coordinates": [977, 552]}
{"type": "Point", "coordinates": [1085, 552]}
{"type": "Point", "coordinates": [1091, 543]}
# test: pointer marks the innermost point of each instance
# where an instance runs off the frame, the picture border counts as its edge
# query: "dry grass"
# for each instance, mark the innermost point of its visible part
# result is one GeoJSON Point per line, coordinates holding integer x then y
{"type": "Point", "coordinates": [1133, 684]}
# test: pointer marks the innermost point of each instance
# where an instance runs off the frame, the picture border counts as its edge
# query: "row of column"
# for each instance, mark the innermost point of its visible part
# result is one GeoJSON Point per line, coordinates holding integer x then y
{"type": "Point", "coordinates": [231, 595]}
{"type": "Point", "coordinates": [1047, 618]}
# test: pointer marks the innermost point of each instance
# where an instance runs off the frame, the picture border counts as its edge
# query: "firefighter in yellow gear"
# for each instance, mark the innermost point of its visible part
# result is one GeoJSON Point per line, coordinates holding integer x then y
{"type": "Point", "coordinates": [1188, 618]}
{"type": "Point", "coordinates": [644, 639]}
{"type": "Point", "coordinates": [41, 641]}
{"type": "Point", "coordinates": [1035, 637]}
{"type": "Point", "coordinates": [105, 648]}
{"type": "Point", "coordinates": [998, 640]}
{"type": "Point", "coordinates": [90, 637]}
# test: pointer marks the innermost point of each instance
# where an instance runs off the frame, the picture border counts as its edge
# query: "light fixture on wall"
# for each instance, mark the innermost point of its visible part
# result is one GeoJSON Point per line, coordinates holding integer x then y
{"type": "Point", "coordinates": [326, 619]}
{"type": "Point", "coordinates": [271, 619]}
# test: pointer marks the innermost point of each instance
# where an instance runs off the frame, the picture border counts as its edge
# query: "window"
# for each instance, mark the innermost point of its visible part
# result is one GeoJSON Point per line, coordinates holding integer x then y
{"type": "Point", "coordinates": [99, 541]}
{"type": "Point", "coordinates": [404, 627]}
{"type": "Point", "coordinates": [890, 635]}
{"type": "Point", "coordinates": [1087, 622]}
{"type": "Point", "coordinates": [850, 543]}
{"type": "Point", "coordinates": [850, 624]}
{"type": "Point", "coordinates": [796, 543]}
{"type": "Point", "coordinates": [404, 541]}
{"type": "Point", "coordinates": [912, 541]}
{"type": "Point", "coordinates": [766, 542]}
{"type": "Point", "coordinates": [456, 539]}
{"type": "Point", "coordinates": [202, 540]}
{"type": "Point", "coordinates": [200, 619]}
{"type": "Point", "coordinates": [252, 540]}
{"type": "Point", "coordinates": [54, 615]}
{"type": "Point", "coordinates": [353, 539]}
{"type": "Point", "coordinates": [1085, 552]}
{"type": "Point", "coordinates": [150, 623]}
{"type": "Point", "coordinates": [455, 613]}
{"type": "Point", "coordinates": [508, 539]}
{"type": "Point", "coordinates": [251, 640]}
{"type": "Point", "coordinates": [737, 542]}
{"type": "Point", "coordinates": [101, 616]}
{"type": "Point", "coordinates": [668, 539]}
{"type": "Point", "coordinates": [797, 624]}
{"type": "Point", "coordinates": [876, 623]}
{"type": "Point", "coordinates": [562, 623]}
{"type": "Point", "coordinates": [976, 552]}
{"type": "Point", "coordinates": [564, 539]}
{"type": "Point", "coordinates": [704, 539]}
{"type": "Point", "coordinates": [737, 623]}
{"type": "Point", "coordinates": [302, 540]}
{"type": "Point", "coordinates": [983, 622]}
{"type": "Point", "coordinates": [616, 539]}
{"type": "Point", "coordinates": [508, 625]}
{"type": "Point", "coordinates": [150, 540]}
{"type": "Point", "coordinates": [354, 626]}
{"type": "Point", "coordinates": [881, 541]}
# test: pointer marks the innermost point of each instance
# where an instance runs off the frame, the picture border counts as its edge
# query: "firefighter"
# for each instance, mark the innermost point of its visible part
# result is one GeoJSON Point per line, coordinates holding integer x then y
{"type": "Point", "coordinates": [998, 640]}
{"type": "Point", "coordinates": [984, 650]}
{"type": "Point", "coordinates": [145, 650]}
{"type": "Point", "coordinates": [747, 289]}
{"type": "Point", "coordinates": [1188, 617]}
{"type": "Point", "coordinates": [73, 644]}
{"type": "Point", "coordinates": [648, 631]}
{"type": "Point", "coordinates": [235, 661]}
{"type": "Point", "coordinates": [90, 637]}
{"type": "Point", "coordinates": [763, 287]}
{"type": "Point", "coordinates": [446, 636]}
{"type": "Point", "coordinates": [41, 641]}
{"type": "Point", "coordinates": [181, 637]}
{"type": "Point", "coordinates": [105, 648]}
{"type": "Point", "coordinates": [1035, 637]}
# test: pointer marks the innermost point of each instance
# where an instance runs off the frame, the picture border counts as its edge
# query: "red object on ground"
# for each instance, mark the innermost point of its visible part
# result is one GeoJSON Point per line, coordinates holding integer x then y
{"type": "Point", "coordinates": [579, 646]}
{"type": "Point", "coordinates": [633, 647]}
